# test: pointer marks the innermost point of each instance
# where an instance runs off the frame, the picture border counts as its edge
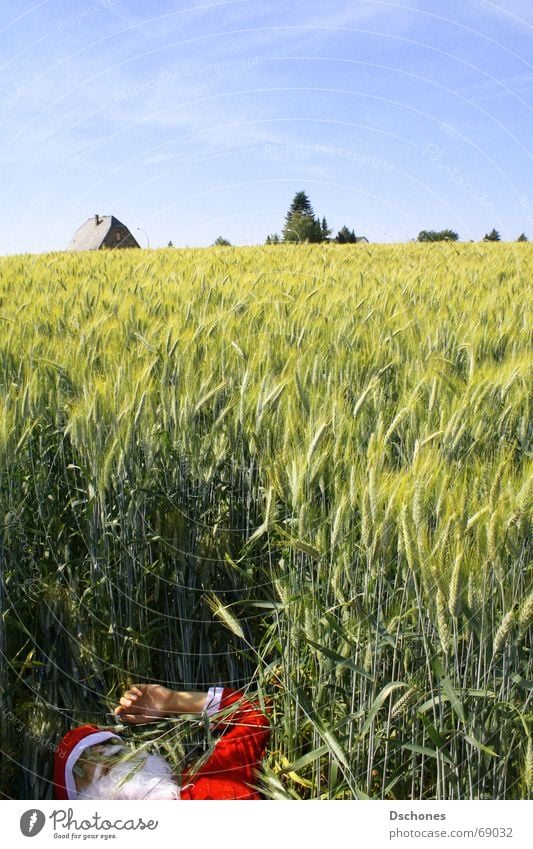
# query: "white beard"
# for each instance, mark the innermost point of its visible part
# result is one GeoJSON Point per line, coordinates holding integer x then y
{"type": "Point", "coordinates": [150, 777]}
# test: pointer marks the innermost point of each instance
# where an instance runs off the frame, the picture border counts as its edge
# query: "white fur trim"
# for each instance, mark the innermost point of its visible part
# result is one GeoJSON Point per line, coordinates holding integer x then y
{"type": "Point", "coordinates": [141, 776]}
{"type": "Point", "coordinates": [213, 699]}
{"type": "Point", "coordinates": [79, 748]}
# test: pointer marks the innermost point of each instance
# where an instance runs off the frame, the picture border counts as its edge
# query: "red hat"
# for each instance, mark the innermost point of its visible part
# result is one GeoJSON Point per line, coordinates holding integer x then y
{"type": "Point", "coordinates": [69, 750]}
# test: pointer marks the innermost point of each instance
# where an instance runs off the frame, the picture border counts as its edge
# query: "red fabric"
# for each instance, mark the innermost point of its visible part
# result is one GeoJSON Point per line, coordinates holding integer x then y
{"type": "Point", "coordinates": [71, 739]}
{"type": "Point", "coordinates": [231, 770]}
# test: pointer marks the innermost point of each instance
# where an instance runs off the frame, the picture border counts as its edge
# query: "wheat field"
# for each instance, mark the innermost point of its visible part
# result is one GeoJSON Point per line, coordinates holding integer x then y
{"type": "Point", "coordinates": [301, 470]}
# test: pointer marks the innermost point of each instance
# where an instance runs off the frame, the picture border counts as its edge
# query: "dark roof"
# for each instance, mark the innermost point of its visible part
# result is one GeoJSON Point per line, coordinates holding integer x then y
{"type": "Point", "coordinates": [92, 235]}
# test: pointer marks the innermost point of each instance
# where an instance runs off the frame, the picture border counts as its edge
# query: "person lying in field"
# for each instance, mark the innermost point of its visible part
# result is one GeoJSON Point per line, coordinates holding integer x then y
{"type": "Point", "coordinates": [95, 763]}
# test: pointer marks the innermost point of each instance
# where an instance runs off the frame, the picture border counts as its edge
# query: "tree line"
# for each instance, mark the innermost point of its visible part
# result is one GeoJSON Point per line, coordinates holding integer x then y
{"type": "Point", "coordinates": [452, 236]}
{"type": "Point", "coordinates": [302, 225]}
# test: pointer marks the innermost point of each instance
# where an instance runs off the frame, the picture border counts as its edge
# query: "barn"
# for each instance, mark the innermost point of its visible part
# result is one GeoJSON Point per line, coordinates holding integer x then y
{"type": "Point", "coordinates": [102, 231]}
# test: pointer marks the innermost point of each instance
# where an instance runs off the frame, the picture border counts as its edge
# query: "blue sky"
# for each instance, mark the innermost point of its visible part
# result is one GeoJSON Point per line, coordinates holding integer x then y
{"type": "Point", "coordinates": [190, 120]}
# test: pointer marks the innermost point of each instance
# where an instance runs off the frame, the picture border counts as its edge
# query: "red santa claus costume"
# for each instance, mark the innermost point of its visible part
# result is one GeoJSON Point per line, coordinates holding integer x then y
{"type": "Point", "coordinates": [230, 772]}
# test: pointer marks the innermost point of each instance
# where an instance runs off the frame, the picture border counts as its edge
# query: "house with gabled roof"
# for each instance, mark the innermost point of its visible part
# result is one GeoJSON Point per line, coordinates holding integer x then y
{"type": "Point", "coordinates": [102, 232]}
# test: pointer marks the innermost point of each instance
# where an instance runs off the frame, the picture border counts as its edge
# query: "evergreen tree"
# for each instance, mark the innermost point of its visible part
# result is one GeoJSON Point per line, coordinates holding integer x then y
{"type": "Point", "coordinates": [493, 236]}
{"type": "Point", "coordinates": [326, 231]}
{"type": "Point", "coordinates": [221, 242]}
{"type": "Point", "coordinates": [300, 204]}
{"type": "Point", "coordinates": [346, 236]}
{"type": "Point", "coordinates": [301, 225]}
{"type": "Point", "coordinates": [522, 238]}
{"type": "Point", "coordinates": [273, 239]}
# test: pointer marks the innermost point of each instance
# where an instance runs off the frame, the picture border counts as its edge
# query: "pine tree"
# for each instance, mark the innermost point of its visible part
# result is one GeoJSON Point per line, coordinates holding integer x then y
{"type": "Point", "coordinates": [300, 204]}
{"type": "Point", "coordinates": [301, 225]}
{"type": "Point", "coordinates": [346, 236]}
{"type": "Point", "coordinates": [522, 238]}
{"type": "Point", "coordinates": [493, 236]}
